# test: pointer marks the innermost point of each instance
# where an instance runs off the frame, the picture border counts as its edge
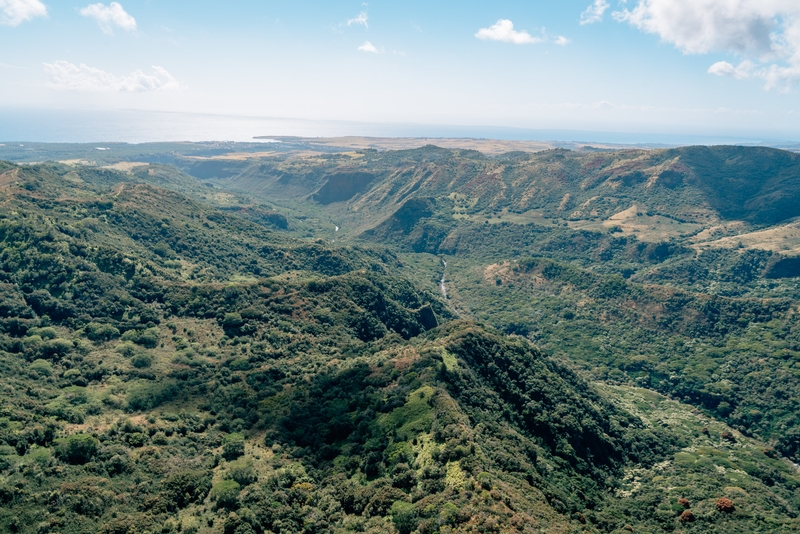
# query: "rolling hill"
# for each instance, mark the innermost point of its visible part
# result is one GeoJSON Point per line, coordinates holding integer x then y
{"type": "Point", "coordinates": [184, 348]}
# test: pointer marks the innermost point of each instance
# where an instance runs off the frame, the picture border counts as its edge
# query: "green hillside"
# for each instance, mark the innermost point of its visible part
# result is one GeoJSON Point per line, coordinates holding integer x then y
{"type": "Point", "coordinates": [691, 185]}
{"type": "Point", "coordinates": [189, 346]}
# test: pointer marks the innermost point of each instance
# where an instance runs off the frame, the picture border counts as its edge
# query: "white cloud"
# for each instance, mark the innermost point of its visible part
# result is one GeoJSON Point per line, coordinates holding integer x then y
{"type": "Point", "coordinates": [504, 31]}
{"type": "Point", "coordinates": [702, 26]}
{"type": "Point", "coordinates": [66, 76]}
{"type": "Point", "coordinates": [723, 68]}
{"type": "Point", "coordinates": [368, 47]}
{"type": "Point", "coordinates": [111, 15]}
{"type": "Point", "coordinates": [15, 12]}
{"type": "Point", "coordinates": [766, 31]}
{"type": "Point", "coordinates": [774, 76]}
{"type": "Point", "coordinates": [594, 13]}
{"type": "Point", "coordinates": [361, 19]}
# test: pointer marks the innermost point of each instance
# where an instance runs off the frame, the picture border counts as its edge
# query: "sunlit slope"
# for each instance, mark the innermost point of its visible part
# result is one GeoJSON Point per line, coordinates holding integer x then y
{"type": "Point", "coordinates": [698, 185]}
{"type": "Point", "coordinates": [171, 367]}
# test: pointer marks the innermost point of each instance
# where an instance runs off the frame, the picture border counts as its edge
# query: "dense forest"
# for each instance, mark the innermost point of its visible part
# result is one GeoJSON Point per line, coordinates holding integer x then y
{"type": "Point", "coordinates": [191, 344]}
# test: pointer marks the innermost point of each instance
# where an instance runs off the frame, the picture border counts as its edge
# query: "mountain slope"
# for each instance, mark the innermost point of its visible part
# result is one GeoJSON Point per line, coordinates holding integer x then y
{"type": "Point", "coordinates": [170, 367]}
{"type": "Point", "coordinates": [694, 184]}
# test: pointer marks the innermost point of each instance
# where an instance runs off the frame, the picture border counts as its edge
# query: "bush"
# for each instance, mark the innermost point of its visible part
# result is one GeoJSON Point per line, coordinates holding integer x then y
{"type": "Point", "coordinates": [147, 396]}
{"type": "Point", "coordinates": [122, 525]}
{"type": "Point", "coordinates": [149, 338]}
{"type": "Point", "coordinates": [101, 332]}
{"type": "Point", "coordinates": [42, 367]}
{"type": "Point", "coordinates": [232, 446]}
{"type": "Point", "coordinates": [485, 480]}
{"type": "Point", "coordinates": [126, 348]}
{"type": "Point", "coordinates": [57, 348]}
{"type": "Point", "coordinates": [242, 472]}
{"type": "Point", "coordinates": [185, 487]}
{"type": "Point", "coordinates": [48, 332]}
{"type": "Point", "coordinates": [77, 449]}
{"type": "Point", "coordinates": [226, 494]}
{"type": "Point", "coordinates": [137, 439]}
{"type": "Point", "coordinates": [404, 517]}
{"type": "Point", "coordinates": [232, 321]}
{"type": "Point", "coordinates": [118, 465]}
{"type": "Point", "coordinates": [84, 497]}
{"type": "Point", "coordinates": [142, 360]}
{"type": "Point", "coordinates": [240, 364]}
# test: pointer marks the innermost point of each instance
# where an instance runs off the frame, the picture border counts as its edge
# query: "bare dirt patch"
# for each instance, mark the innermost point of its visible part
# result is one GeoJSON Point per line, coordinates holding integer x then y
{"type": "Point", "coordinates": [783, 239]}
{"type": "Point", "coordinates": [126, 166]}
{"type": "Point", "coordinates": [653, 228]}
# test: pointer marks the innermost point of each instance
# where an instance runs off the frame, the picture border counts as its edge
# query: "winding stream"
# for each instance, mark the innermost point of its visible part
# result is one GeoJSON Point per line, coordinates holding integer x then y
{"type": "Point", "coordinates": [441, 282]}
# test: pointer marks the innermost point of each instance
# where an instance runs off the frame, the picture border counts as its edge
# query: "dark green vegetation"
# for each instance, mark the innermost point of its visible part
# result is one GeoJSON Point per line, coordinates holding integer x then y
{"type": "Point", "coordinates": [179, 356]}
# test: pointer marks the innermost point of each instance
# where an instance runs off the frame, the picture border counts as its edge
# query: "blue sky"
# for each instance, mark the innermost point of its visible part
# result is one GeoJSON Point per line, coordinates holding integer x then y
{"type": "Point", "coordinates": [710, 67]}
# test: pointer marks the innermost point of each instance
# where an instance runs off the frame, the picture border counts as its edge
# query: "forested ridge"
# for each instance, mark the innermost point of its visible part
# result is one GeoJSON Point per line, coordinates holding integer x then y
{"type": "Point", "coordinates": [177, 361]}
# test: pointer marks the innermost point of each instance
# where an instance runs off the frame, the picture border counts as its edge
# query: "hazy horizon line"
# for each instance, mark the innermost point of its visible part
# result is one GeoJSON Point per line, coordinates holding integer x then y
{"type": "Point", "coordinates": [112, 131]}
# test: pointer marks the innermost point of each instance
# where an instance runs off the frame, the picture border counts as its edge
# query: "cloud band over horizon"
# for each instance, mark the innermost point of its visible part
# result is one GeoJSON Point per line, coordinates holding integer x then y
{"type": "Point", "coordinates": [66, 76]}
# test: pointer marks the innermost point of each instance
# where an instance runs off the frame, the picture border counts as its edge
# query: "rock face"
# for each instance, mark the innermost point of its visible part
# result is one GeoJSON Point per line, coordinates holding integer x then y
{"type": "Point", "coordinates": [687, 516]}
{"type": "Point", "coordinates": [725, 505]}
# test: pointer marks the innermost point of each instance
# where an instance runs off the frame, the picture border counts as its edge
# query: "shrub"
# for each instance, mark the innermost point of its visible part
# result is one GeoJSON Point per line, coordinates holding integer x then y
{"type": "Point", "coordinates": [226, 494]}
{"type": "Point", "coordinates": [48, 332]}
{"type": "Point", "coordinates": [101, 332]}
{"type": "Point", "coordinates": [118, 465]}
{"type": "Point", "coordinates": [122, 525]}
{"type": "Point", "coordinates": [72, 374]}
{"type": "Point", "coordinates": [146, 396]}
{"type": "Point", "coordinates": [404, 517]}
{"type": "Point", "coordinates": [149, 338]}
{"type": "Point", "coordinates": [137, 439]}
{"type": "Point", "coordinates": [77, 449]}
{"type": "Point", "coordinates": [32, 344]}
{"type": "Point", "coordinates": [84, 497]}
{"type": "Point", "coordinates": [130, 335]}
{"type": "Point", "coordinates": [240, 364]}
{"type": "Point", "coordinates": [242, 472]}
{"type": "Point", "coordinates": [687, 516]}
{"type": "Point", "coordinates": [185, 487]}
{"type": "Point", "coordinates": [725, 505]}
{"type": "Point", "coordinates": [142, 360]}
{"type": "Point", "coordinates": [231, 321]}
{"type": "Point", "coordinates": [448, 514]}
{"type": "Point", "coordinates": [232, 446]}
{"type": "Point", "coordinates": [57, 348]}
{"type": "Point", "coordinates": [485, 480]}
{"type": "Point", "coordinates": [127, 349]}
{"type": "Point", "coordinates": [42, 367]}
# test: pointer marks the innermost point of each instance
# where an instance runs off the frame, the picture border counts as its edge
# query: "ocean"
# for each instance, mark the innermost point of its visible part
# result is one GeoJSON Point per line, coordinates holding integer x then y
{"type": "Point", "coordinates": [75, 126]}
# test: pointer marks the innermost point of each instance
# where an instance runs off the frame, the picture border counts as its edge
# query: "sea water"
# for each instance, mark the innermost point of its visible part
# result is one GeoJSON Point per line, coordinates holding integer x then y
{"type": "Point", "coordinates": [131, 126]}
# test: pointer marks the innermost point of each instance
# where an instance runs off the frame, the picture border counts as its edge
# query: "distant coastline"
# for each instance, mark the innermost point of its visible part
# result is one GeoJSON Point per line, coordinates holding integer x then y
{"type": "Point", "coordinates": [131, 126]}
